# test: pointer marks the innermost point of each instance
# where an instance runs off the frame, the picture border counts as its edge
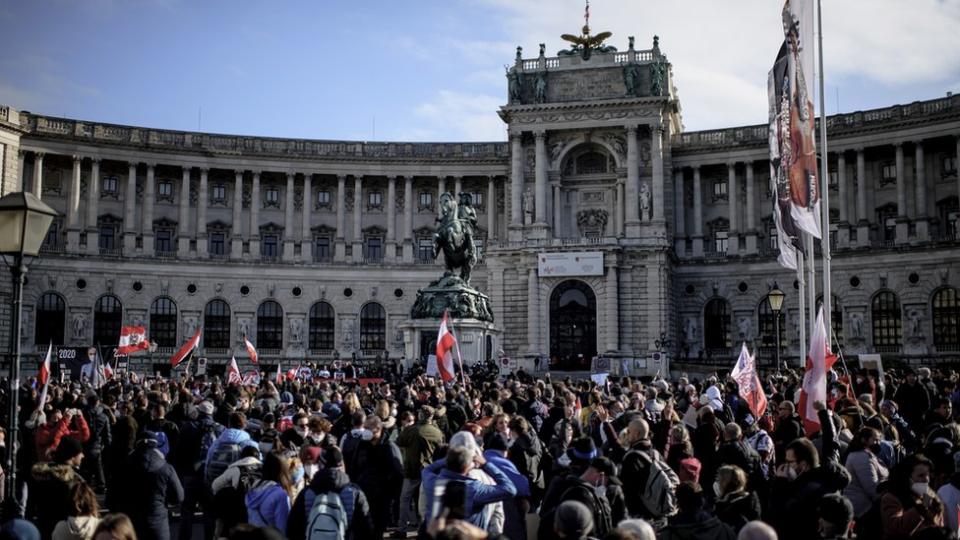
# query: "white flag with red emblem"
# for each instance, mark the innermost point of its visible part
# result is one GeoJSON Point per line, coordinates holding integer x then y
{"type": "Point", "coordinates": [446, 343]}
{"type": "Point", "coordinates": [187, 350]}
{"type": "Point", "coordinates": [251, 350]}
{"type": "Point", "coordinates": [132, 339]}
{"type": "Point", "coordinates": [233, 372]}
{"type": "Point", "coordinates": [745, 373]}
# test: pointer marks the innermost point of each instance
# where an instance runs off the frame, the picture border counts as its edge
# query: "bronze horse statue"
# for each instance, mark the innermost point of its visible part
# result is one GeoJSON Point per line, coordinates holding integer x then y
{"type": "Point", "coordinates": [454, 236]}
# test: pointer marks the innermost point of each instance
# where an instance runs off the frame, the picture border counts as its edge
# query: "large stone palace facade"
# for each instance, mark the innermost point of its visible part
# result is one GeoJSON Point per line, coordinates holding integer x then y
{"type": "Point", "coordinates": [316, 248]}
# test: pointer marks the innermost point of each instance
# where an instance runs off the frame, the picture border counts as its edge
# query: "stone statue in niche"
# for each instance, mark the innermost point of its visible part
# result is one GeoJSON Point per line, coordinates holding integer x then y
{"type": "Point", "coordinates": [243, 329]}
{"type": "Point", "coordinates": [528, 207]}
{"type": "Point", "coordinates": [348, 331]}
{"type": "Point", "coordinates": [190, 325]}
{"type": "Point", "coordinates": [856, 325]}
{"type": "Point", "coordinates": [744, 328]}
{"type": "Point", "coordinates": [658, 72]}
{"type": "Point", "coordinates": [540, 88]}
{"type": "Point", "coordinates": [514, 85]}
{"type": "Point", "coordinates": [690, 330]}
{"type": "Point", "coordinates": [916, 324]}
{"type": "Point", "coordinates": [631, 76]}
{"type": "Point", "coordinates": [645, 202]}
{"type": "Point", "coordinates": [296, 330]}
{"type": "Point", "coordinates": [79, 325]}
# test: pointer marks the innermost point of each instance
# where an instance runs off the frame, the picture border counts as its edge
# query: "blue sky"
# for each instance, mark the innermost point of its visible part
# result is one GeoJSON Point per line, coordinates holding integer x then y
{"type": "Point", "coordinates": [430, 69]}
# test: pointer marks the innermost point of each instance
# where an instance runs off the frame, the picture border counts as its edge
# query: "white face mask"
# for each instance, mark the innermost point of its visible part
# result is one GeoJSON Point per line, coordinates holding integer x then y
{"type": "Point", "coordinates": [791, 473]}
{"type": "Point", "coordinates": [920, 488]}
{"type": "Point", "coordinates": [309, 469]}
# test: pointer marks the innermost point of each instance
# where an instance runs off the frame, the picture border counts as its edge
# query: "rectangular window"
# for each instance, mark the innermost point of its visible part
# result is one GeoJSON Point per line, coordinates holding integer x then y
{"type": "Point", "coordinates": [218, 243]}
{"type": "Point", "coordinates": [477, 199]}
{"type": "Point", "coordinates": [720, 241]}
{"type": "Point", "coordinates": [219, 193]}
{"type": "Point", "coordinates": [719, 189]}
{"type": "Point", "coordinates": [888, 174]}
{"type": "Point", "coordinates": [425, 249]}
{"type": "Point", "coordinates": [53, 236]}
{"type": "Point", "coordinates": [165, 188]}
{"type": "Point", "coordinates": [834, 178]}
{"type": "Point", "coordinates": [375, 199]}
{"type": "Point", "coordinates": [108, 237]}
{"type": "Point", "coordinates": [108, 185]}
{"type": "Point", "coordinates": [374, 249]}
{"type": "Point", "coordinates": [272, 195]}
{"type": "Point", "coordinates": [321, 249]}
{"type": "Point", "coordinates": [774, 238]}
{"type": "Point", "coordinates": [323, 198]}
{"type": "Point", "coordinates": [479, 245]}
{"type": "Point", "coordinates": [949, 165]}
{"type": "Point", "coordinates": [426, 199]}
{"type": "Point", "coordinates": [163, 241]}
{"type": "Point", "coordinates": [269, 247]}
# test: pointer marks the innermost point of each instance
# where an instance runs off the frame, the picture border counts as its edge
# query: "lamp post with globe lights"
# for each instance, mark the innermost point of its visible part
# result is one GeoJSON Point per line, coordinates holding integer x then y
{"type": "Point", "coordinates": [775, 297]}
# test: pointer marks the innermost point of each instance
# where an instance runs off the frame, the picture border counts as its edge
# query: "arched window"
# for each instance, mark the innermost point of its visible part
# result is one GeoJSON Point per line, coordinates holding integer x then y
{"type": "Point", "coordinates": [946, 320]}
{"type": "Point", "coordinates": [321, 327]}
{"type": "Point", "coordinates": [50, 319]}
{"type": "Point", "coordinates": [373, 327]}
{"type": "Point", "coordinates": [767, 330]}
{"type": "Point", "coordinates": [270, 325]}
{"type": "Point", "coordinates": [107, 320]}
{"type": "Point", "coordinates": [216, 325]}
{"type": "Point", "coordinates": [886, 317]}
{"type": "Point", "coordinates": [716, 325]}
{"type": "Point", "coordinates": [163, 322]}
{"type": "Point", "coordinates": [591, 163]}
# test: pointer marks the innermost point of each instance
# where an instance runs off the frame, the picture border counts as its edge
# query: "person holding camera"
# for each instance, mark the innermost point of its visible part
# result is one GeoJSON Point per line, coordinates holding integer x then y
{"type": "Point", "coordinates": [69, 423]}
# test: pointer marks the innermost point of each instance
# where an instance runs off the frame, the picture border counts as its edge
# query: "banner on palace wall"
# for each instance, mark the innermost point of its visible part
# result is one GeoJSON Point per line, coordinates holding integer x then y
{"type": "Point", "coordinates": [581, 263]}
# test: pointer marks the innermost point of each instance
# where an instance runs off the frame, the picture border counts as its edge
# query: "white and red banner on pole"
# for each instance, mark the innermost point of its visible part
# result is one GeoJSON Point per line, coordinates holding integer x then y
{"type": "Point", "coordinates": [132, 339]}
{"type": "Point", "coordinates": [187, 350]}
{"type": "Point", "coordinates": [446, 345]}
{"type": "Point", "coordinates": [279, 377]}
{"type": "Point", "coordinates": [45, 377]}
{"type": "Point", "coordinates": [814, 389]}
{"type": "Point", "coordinates": [251, 350]}
{"type": "Point", "coordinates": [751, 390]}
{"type": "Point", "coordinates": [233, 372]}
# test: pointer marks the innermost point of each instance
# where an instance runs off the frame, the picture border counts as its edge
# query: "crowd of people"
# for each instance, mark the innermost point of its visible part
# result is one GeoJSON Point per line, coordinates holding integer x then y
{"type": "Point", "coordinates": [488, 456]}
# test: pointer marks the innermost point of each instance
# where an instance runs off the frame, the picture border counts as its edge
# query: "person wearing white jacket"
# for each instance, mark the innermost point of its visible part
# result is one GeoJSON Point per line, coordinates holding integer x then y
{"type": "Point", "coordinates": [866, 471]}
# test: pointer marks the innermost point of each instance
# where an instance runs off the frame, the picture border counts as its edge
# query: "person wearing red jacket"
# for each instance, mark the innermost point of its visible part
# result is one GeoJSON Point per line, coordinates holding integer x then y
{"type": "Point", "coordinates": [59, 425]}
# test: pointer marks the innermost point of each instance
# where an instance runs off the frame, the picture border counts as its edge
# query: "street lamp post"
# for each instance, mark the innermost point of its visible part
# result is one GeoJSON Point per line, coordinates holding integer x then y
{"type": "Point", "coordinates": [24, 221]}
{"type": "Point", "coordinates": [775, 297]}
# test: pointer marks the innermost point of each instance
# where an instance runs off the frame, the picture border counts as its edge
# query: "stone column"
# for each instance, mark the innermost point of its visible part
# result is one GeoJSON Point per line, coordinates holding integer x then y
{"type": "Point", "coordinates": [149, 196]}
{"type": "Point", "coordinates": [236, 225]}
{"type": "Point", "coordinates": [903, 223]}
{"type": "Point", "coordinates": [457, 185]}
{"type": "Point", "coordinates": [183, 218]}
{"type": "Point", "coordinates": [612, 306]}
{"type": "Point", "coordinates": [751, 224]}
{"type": "Point", "coordinates": [956, 166]}
{"type": "Point", "coordinates": [921, 192]}
{"type": "Point", "coordinates": [441, 189]}
{"type": "Point", "coordinates": [680, 234]}
{"type": "Point", "coordinates": [863, 220]}
{"type": "Point", "coordinates": [408, 205]}
{"type": "Point", "coordinates": [21, 182]}
{"type": "Point", "coordinates": [557, 231]}
{"type": "Point", "coordinates": [73, 208]}
{"type": "Point", "coordinates": [540, 176]}
{"type": "Point", "coordinates": [202, 202]}
{"type": "Point", "coordinates": [306, 235]}
{"type": "Point", "coordinates": [340, 251]}
{"type": "Point", "coordinates": [357, 217]}
{"type": "Point", "coordinates": [491, 209]}
{"type": "Point", "coordinates": [843, 228]}
{"type": "Point", "coordinates": [391, 202]}
{"type": "Point", "coordinates": [733, 240]}
{"type": "Point", "coordinates": [38, 174]}
{"type": "Point", "coordinates": [533, 315]}
{"type": "Point", "coordinates": [288, 219]}
{"type": "Point", "coordinates": [631, 198]}
{"type": "Point", "coordinates": [697, 214]}
{"type": "Point", "coordinates": [656, 156]}
{"type": "Point", "coordinates": [516, 184]}
{"type": "Point", "coordinates": [619, 209]}
{"type": "Point", "coordinates": [129, 211]}
{"type": "Point", "coordinates": [93, 208]}
{"type": "Point", "coordinates": [255, 217]}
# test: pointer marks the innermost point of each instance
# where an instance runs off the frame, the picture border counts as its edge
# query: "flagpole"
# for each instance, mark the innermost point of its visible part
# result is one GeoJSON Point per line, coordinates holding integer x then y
{"type": "Point", "coordinates": [801, 311]}
{"type": "Point", "coordinates": [824, 182]}
{"type": "Point", "coordinates": [808, 245]}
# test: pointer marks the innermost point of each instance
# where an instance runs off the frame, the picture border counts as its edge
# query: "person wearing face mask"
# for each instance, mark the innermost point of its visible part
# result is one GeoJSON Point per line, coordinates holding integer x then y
{"type": "Point", "coordinates": [296, 435]}
{"type": "Point", "coordinates": [910, 505]}
{"type": "Point", "coordinates": [589, 488]}
{"type": "Point", "coordinates": [866, 471]}
{"type": "Point", "coordinates": [799, 484]}
{"type": "Point", "coordinates": [735, 506]}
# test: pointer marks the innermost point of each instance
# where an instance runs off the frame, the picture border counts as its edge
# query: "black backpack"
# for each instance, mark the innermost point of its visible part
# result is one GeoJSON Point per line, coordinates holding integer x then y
{"type": "Point", "coordinates": [230, 501]}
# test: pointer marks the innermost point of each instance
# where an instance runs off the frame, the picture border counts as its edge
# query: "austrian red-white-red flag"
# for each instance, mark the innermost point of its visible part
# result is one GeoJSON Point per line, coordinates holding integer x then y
{"type": "Point", "coordinates": [446, 344]}
{"type": "Point", "coordinates": [233, 372]}
{"type": "Point", "coordinates": [819, 361]}
{"type": "Point", "coordinates": [132, 339]}
{"type": "Point", "coordinates": [191, 345]}
{"type": "Point", "coordinates": [45, 366]}
{"type": "Point", "coordinates": [751, 390]}
{"type": "Point", "coordinates": [292, 372]}
{"type": "Point", "coordinates": [251, 350]}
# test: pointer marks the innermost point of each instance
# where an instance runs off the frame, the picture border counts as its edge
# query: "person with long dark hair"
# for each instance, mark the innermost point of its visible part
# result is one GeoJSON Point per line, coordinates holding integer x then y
{"type": "Point", "coordinates": [910, 505]}
{"type": "Point", "coordinates": [268, 502]}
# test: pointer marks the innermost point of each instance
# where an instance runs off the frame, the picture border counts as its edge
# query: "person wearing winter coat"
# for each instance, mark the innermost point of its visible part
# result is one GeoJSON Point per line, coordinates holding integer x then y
{"type": "Point", "coordinates": [734, 505]}
{"type": "Point", "coordinates": [910, 506]}
{"type": "Point", "coordinates": [84, 515]}
{"type": "Point", "coordinates": [59, 425]}
{"type": "Point", "coordinates": [789, 428]}
{"type": "Point", "coordinates": [692, 522]}
{"type": "Point", "coordinates": [866, 471]}
{"type": "Point", "coordinates": [377, 470]}
{"type": "Point", "coordinates": [189, 460]}
{"type": "Point", "coordinates": [514, 518]}
{"type": "Point", "coordinates": [100, 438]}
{"type": "Point", "coordinates": [234, 434]}
{"type": "Point", "coordinates": [268, 501]}
{"type": "Point", "coordinates": [51, 484]}
{"type": "Point", "coordinates": [476, 495]}
{"type": "Point", "coordinates": [332, 478]}
{"type": "Point", "coordinates": [148, 485]}
{"type": "Point", "coordinates": [526, 453]}
{"type": "Point", "coordinates": [417, 443]}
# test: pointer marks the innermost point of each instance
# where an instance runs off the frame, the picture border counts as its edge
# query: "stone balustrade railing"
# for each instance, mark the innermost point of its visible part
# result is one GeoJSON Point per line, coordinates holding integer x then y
{"type": "Point", "coordinates": [597, 58]}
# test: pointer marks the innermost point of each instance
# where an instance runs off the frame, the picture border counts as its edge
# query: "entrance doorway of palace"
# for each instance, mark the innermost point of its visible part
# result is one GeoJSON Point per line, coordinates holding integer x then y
{"type": "Point", "coordinates": [573, 326]}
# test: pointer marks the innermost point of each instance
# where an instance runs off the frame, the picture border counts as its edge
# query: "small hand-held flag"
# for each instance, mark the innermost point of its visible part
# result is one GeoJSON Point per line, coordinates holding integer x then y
{"type": "Point", "coordinates": [132, 339]}
{"type": "Point", "coordinates": [446, 343]}
{"type": "Point", "coordinates": [745, 373]}
{"type": "Point", "coordinates": [191, 345]}
{"type": "Point", "coordinates": [251, 350]}
{"type": "Point", "coordinates": [233, 372]}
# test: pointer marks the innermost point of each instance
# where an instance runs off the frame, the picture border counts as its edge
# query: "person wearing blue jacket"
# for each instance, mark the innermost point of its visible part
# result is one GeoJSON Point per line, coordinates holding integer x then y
{"type": "Point", "coordinates": [514, 510]}
{"type": "Point", "coordinates": [268, 502]}
{"type": "Point", "coordinates": [234, 434]}
{"type": "Point", "coordinates": [444, 479]}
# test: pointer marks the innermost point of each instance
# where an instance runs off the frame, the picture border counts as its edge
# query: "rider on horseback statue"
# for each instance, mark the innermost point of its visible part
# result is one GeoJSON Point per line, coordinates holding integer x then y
{"type": "Point", "coordinates": [454, 236]}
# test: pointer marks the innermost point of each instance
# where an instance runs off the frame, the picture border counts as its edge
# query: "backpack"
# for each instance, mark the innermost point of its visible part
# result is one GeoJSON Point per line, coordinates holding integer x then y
{"type": "Point", "coordinates": [207, 439]}
{"type": "Point", "coordinates": [230, 501]}
{"type": "Point", "coordinates": [224, 454]}
{"type": "Point", "coordinates": [659, 490]}
{"type": "Point", "coordinates": [329, 518]}
{"type": "Point", "coordinates": [163, 442]}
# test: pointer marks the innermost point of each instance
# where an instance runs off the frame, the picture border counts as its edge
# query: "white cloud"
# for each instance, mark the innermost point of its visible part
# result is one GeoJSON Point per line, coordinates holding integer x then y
{"type": "Point", "coordinates": [457, 116]}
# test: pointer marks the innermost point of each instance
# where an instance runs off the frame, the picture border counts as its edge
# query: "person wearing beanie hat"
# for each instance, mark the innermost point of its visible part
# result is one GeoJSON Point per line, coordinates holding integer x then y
{"type": "Point", "coordinates": [573, 520]}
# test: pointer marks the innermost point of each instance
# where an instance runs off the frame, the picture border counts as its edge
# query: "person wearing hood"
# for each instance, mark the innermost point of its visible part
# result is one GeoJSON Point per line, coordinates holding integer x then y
{"type": "Point", "coordinates": [234, 434]}
{"type": "Point", "coordinates": [589, 487]}
{"type": "Point", "coordinates": [149, 484]}
{"type": "Point", "coordinates": [84, 515]}
{"type": "Point", "coordinates": [51, 484]}
{"type": "Point", "coordinates": [268, 501]}
{"type": "Point", "coordinates": [692, 522]}
{"type": "Point", "coordinates": [332, 478]}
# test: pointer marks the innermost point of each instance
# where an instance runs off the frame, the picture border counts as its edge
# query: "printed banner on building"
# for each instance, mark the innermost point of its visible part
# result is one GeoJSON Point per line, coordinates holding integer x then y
{"type": "Point", "coordinates": [584, 263]}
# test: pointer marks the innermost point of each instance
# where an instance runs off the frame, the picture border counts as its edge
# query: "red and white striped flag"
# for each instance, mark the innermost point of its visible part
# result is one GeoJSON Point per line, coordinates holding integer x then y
{"type": "Point", "coordinates": [251, 350]}
{"type": "Point", "coordinates": [819, 361]}
{"type": "Point", "coordinates": [446, 344]}
{"type": "Point", "coordinates": [132, 339]}
{"type": "Point", "coordinates": [233, 372]}
{"type": "Point", "coordinates": [745, 373]}
{"type": "Point", "coordinates": [191, 345]}
{"type": "Point", "coordinates": [45, 366]}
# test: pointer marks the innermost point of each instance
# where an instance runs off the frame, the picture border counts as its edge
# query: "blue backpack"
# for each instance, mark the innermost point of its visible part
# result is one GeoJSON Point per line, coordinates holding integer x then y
{"type": "Point", "coordinates": [163, 443]}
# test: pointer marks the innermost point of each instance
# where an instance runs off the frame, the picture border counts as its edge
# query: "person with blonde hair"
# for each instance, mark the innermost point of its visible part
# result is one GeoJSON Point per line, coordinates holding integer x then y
{"type": "Point", "coordinates": [734, 505]}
